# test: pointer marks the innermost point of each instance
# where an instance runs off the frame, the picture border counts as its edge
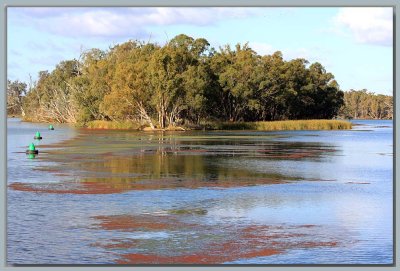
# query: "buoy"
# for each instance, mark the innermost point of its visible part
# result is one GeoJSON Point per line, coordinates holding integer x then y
{"type": "Point", "coordinates": [51, 127]}
{"type": "Point", "coordinates": [31, 156]}
{"type": "Point", "coordinates": [32, 149]}
{"type": "Point", "coordinates": [37, 136]}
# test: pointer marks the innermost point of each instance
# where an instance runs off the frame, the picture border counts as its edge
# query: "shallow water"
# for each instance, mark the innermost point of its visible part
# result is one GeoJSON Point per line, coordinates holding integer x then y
{"type": "Point", "coordinates": [295, 197]}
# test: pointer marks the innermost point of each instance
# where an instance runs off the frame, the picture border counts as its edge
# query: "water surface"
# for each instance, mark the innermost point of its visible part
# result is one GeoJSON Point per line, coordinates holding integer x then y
{"type": "Point", "coordinates": [124, 197]}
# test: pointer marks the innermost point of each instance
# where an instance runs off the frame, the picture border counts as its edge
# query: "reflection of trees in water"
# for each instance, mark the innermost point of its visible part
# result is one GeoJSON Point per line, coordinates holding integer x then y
{"type": "Point", "coordinates": [164, 165]}
{"type": "Point", "coordinates": [146, 161]}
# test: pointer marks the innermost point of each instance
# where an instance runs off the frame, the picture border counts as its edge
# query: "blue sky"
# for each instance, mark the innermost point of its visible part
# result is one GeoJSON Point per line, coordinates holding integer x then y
{"type": "Point", "coordinates": [355, 44]}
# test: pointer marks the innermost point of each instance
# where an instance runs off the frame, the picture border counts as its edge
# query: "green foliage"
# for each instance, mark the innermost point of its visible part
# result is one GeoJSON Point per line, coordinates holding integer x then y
{"type": "Point", "coordinates": [237, 77]}
{"type": "Point", "coordinates": [129, 95]}
{"type": "Point", "coordinates": [92, 84]}
{"type": "Point", "coordinates": [182, 83]}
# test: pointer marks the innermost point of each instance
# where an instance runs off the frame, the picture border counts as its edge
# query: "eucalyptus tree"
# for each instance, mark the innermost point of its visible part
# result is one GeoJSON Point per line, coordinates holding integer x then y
{"type": "Point", "coordinates": [272, 86]}
{"type": "Point", "coordinates": [194, 71]}
{"type": "Point", "coordinates": [16, 91]}
{"type": "Point", "coordinates": [130, 93]}
{"type": "Point", "coordinates": [362, 104]}
{"type": "Point", "coordinates": [178, 79]}
{"type": "Point", "coordinates": [92, 85]}
{"type": "Point", "coordinates": [328, 98]}
{"type": "Point", "coordinates": [52, 99]}
{"type": "Point", "coordinates": [236, 73]}
{"type": "Point", "coordinates": [185, 81]}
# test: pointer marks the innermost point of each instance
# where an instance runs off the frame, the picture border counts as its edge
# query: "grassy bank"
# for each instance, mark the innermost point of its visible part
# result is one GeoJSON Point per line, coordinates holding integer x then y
{"type": "Point", "coordinates": [260, 125]}
{"type": "Point", "coordinates": [280, 125]}
{"type": "Point", "coordinates": [113, 125]}
{"type": "Point", "coordinates": [125, 125]}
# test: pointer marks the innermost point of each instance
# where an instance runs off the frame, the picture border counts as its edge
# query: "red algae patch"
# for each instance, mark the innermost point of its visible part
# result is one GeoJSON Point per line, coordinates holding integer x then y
{"type": "Point", "coordinates": [119, 186]}
{"type": "Point", "coordinates": [216, 244]}
{"type": "Point", "coordinates": [318, 244]}
{"type": "Point", "coordinates": [211, 256]}
{"type": "Point", "coordinates": [66, 188]}
{"type": "Point", "coordinates": [239, 247]}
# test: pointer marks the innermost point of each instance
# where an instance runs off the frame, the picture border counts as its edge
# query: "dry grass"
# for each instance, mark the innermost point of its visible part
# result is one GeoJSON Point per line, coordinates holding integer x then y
{"type": "Point", "coordinates": [281, 125]}
{"type": "Point", "coordinates": [260, 125]}
{"type": "Point", "coordinates": [303, 125]}
{"type": "Point", "coordinates": [113, 125]}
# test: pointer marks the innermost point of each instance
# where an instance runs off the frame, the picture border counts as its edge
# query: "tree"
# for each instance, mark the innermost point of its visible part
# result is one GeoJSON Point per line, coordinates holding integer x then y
{"type": "Point", "coordinates": [327, 96]}
{"type": "Point", "coordinates": [16, 91]}
{"type": "Point", "coordinates": [366, 105]}
{"type": "Point", "coordinates": [272, 87]}
{"type": "Point", "coordinates": [195, 73]}
{"type": "Point", "coordinates": [235, 70]}
{"type": "Point", "coordinates": [185, 81]}
{"type": "Point", "coordinates": [51, 99]}
{"type": "Point", "coordinates": [130, 94]}
{"type": "Point", "coordinates": [196, 82]}
{"type": "Point", "coordinates": [92, 85]}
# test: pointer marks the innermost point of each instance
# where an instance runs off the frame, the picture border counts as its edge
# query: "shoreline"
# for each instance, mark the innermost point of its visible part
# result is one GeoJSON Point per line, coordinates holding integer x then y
{"type": "Point", "coordinates": [282, 125]}
{"type": "Point", "coordinates": [286, 125]}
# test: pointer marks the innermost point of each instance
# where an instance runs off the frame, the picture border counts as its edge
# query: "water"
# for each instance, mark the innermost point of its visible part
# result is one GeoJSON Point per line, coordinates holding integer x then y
{"type": "Point", "coordinates": [117, 197]}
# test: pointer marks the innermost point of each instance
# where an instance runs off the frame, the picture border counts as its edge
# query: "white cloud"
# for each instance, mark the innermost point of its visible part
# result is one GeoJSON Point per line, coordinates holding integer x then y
{"type": "Point", "coordinates": [368, 24]}
{"type": "Point", "coordinates": [262, 48]}
{"type": "Point", "coordinates": [122, 22]}
{"type": "Point", "coordinates": [311, 54]}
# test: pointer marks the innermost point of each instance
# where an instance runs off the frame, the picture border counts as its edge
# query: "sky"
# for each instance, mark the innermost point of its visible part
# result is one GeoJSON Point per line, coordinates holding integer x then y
{"type": "Point", "coordinates": [354, 44]}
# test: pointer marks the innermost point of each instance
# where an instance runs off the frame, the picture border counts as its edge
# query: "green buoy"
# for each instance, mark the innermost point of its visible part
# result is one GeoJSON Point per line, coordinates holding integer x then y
{"type": "Point", "coordinates": [31, 156]}
{"type": "Point", "coordinates": [32, 149]}
{"type": "Point", "coordinates": [37, 136]}
{"type": "Point", "coordinates": [51, 127]}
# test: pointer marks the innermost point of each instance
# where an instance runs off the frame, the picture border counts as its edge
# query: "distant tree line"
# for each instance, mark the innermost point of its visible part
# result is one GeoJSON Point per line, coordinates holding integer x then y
{"type": "Point", "coordinates": [361, 104]}
{"type": "Point", "coordinates": [183, 82]}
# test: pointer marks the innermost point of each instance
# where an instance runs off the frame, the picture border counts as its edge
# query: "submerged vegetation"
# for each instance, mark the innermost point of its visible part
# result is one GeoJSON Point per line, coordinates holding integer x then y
{"type": "Point", "coordinates": [188, 212]}
{"type": "Point", "coordinates": [181, 84]}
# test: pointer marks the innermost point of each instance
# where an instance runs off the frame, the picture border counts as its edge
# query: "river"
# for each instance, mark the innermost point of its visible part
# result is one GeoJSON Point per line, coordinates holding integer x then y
{"type": "Point", "coordinates": [200, 197]}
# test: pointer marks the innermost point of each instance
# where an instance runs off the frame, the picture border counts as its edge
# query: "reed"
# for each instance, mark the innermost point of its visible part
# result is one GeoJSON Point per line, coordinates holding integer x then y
{"type": "Point", "coordinates": [259, 125]}
{"type": "Point", "coordinates": [281, 125]}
